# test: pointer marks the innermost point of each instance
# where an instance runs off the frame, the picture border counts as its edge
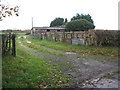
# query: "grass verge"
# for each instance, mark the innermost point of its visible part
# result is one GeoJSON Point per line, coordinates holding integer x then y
{"type": "Point", "coordinates": [40, 49]}
{"type": "Point", "coordinates": [80, 49]}
{"type": "Point", "coordinates": [28, 71]}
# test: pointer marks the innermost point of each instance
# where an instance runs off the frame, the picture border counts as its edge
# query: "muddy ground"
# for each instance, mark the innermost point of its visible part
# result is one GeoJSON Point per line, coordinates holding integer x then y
{"type": "Point", "coordinates": [85, 70]}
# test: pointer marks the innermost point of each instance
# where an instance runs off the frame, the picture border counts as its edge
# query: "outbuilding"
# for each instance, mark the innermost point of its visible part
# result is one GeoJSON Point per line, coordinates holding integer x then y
{"type": "Point", "coordinates": [47, 29]}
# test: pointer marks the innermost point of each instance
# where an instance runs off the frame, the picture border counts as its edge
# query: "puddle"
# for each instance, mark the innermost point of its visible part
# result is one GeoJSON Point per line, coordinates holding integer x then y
{"type": "Point", "coordinates": [70, 53]}
{"type": "Point", "coordinates": [87, 63]}
{"type": "Point", "coordinates": [107, 83]}
{"type": "Point", "coordinates": [53, 49]}
{"type": "Point", "coordinates": [22, 37]}
{"type": "Point", "coordinates": [103, 83]}
{"type": "Point", "coordinates": [28, 41]}
{"type": "Point", "coordinates": [19, 37]}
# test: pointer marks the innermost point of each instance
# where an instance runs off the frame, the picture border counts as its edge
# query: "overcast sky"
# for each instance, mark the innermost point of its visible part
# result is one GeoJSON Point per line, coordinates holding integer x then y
{"type": "Point", "coordinates": [104, 12]}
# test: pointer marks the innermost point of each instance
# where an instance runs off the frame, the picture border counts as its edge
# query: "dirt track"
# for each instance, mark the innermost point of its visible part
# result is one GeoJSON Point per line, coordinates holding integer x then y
{"type": "Point", "coordinates": [84, 68]}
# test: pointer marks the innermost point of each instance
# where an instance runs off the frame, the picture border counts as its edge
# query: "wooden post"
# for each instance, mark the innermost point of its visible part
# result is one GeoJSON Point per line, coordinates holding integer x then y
{"type": "Point", "coordinates": [64, 34]}
{"type": "Point", "coordinates": [71, 36]}
{"type": "Point", "coordinates": [9, 41]}
{"type": "Point", "coordinates": [77, 35]}
{"type": "Point", "coordinates": [6, 47]}
{"type": "Point", "coordinates": [13, 46]}
{"type": "Point", "coordinates": [3, 46]}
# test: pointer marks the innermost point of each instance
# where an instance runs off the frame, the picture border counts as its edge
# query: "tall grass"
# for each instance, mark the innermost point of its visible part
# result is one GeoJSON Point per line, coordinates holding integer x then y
{"type": "Point", "coordinates": [28, 71]}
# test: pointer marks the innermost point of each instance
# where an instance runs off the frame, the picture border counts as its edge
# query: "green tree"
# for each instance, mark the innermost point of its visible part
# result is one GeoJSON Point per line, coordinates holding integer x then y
{"type": "Point", "coordinates": [66, 20]}
{"type": "Point", "coordinates": [79, 25]}
{"type": "Point", "coordinates": [82, 16]}
{"type": "Point", "coordinates": [57, 22]}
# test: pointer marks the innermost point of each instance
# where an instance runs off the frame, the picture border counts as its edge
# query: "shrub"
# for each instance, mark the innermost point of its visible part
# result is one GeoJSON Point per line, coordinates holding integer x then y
{"type": "Point", "coordinates": [79, 25]}
{"type": "Point", "coordinates": [57, 22]}
{"type": "Point", "coordinates": [104, 37]}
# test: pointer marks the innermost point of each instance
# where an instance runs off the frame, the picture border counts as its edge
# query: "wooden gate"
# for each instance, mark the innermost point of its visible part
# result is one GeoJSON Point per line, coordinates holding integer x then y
{"type": "Point", "coordinates": [8, 44]}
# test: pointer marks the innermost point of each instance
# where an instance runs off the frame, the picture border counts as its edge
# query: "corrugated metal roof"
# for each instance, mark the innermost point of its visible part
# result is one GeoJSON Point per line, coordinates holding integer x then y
{"type": "Point", "coordinates": [50, 28]}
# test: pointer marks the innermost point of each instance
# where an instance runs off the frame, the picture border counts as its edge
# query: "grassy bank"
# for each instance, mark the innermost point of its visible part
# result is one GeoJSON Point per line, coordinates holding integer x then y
{"type": "Point", "coordinates": [38, 48]}
{"type": "Point", "coordinates": [80, 49]}
{"type": "Point", "coordinates": [28, 71]}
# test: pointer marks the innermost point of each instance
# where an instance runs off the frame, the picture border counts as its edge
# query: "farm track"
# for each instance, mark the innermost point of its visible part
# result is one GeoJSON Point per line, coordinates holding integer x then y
{"type": "Point", "coordinates": [81, 67]}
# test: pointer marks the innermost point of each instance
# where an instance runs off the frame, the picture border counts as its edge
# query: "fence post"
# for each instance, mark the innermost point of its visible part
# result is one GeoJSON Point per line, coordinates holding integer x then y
{"type": "Point", "coordinates": [77, 35]}
{"type": "Point", "coordinates": [3, 44]}
{"type": "Point", "coordinates": [9, 41]}
{"type": "Point", "coordinates": [13, 46]}
{"type": "Point", "coordinates": [6, 47]}
{"type": "Point", "coordinates": [64, 34]}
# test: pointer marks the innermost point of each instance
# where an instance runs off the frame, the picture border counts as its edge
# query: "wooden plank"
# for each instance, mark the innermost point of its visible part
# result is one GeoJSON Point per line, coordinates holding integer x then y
{"type": "Point", "coordinates": [9, 42]}
{"type": "Point", "coordinates": [13, 46]}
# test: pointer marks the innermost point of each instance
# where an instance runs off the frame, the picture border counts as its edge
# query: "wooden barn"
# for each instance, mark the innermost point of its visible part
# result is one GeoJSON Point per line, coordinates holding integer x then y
{"type": "Point", "coordinates": [47, 29]}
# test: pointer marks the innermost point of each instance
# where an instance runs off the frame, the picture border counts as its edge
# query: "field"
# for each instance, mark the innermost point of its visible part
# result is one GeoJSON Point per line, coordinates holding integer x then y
{"type": "Point", "coordinates": [45, 64]}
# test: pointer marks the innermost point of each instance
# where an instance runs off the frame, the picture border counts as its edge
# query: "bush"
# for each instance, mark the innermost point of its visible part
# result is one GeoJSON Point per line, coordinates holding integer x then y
{"type": "Point", "coordinates": [79, 25]}
{"type": "Point", "coordinates": [82, 16]}
{"type": "Point", "coordinates": [104, 37]}
{"type": "Point", "coordinates": [57, 22]}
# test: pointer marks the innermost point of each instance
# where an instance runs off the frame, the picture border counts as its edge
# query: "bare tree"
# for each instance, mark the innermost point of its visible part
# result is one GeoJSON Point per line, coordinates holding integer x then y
{"type": "Point", "coordinates": [6, 10]}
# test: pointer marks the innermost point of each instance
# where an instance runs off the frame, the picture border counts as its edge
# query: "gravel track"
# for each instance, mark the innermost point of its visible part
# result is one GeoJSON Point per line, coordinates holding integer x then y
{"type": "Point", "coordinates": [83, 68]}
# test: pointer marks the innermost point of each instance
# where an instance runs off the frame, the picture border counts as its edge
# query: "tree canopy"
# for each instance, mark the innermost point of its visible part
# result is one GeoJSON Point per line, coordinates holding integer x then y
{"type": "Point", "coordinates": [66, 20]}
{"type": "Point", "coordinates": [82, 16]}
{"type": "Point", "coordinates": [57, 22]}
{"type": "Point", "coordinates": [79, 25]}
{"type": "Point", "coordinates": [6, 10]}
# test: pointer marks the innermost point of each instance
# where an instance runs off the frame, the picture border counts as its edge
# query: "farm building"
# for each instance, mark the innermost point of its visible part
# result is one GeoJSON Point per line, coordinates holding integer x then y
{"type": "Point", "coordinates": [48, 29]}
